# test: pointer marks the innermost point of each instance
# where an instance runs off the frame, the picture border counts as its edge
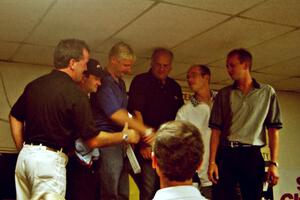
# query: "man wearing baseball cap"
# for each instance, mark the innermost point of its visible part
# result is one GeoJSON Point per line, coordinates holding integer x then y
{"type": "Point", "coordinates": [92, 77]}
{"type": "Point", "coordinates": [82, 173]}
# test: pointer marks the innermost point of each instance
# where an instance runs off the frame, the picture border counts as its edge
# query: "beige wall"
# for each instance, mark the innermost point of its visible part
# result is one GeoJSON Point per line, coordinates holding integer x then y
{"type": "Point", "coordinates": [289, 161]}
{"type": "Point", "coordinates": [15, 76]}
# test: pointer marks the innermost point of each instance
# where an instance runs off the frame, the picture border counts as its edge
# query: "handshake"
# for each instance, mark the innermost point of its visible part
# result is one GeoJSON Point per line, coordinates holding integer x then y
{"type": "Point", "coordinates": [131, 136]}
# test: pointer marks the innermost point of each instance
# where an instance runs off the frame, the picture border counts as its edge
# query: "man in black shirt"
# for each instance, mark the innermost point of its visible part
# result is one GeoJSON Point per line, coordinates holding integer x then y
{"type": "Point", "coordinates": [82, 175]}
{"type": "Point", "coordinates": [47, 118]}
{"type": "Point", "coordinates": [154, 98]}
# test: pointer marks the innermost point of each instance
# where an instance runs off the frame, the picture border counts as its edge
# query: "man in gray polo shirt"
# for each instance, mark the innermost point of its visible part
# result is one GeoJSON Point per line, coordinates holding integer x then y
{"type": "Point", "coordinates": [240, 116]}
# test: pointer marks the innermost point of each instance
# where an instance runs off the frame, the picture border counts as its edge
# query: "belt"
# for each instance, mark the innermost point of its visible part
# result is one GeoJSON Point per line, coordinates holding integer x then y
{"type": "Point", "coordinates": [235, 144]}
{"type": "Point", "coordinates": [48, 147]}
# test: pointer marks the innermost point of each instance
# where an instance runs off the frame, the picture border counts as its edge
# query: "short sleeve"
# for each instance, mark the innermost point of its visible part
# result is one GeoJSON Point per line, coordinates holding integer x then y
{"type": "Point", "coordinates": [107, 100]}
{"type": "Point", "coordinates": [180, 96]}
{"type": "Point", "coordinates": [137, 95]}
{"type": "Point", "coordinates": [83, 118]}
{"type": "Point", "coordinates": [273, 119]}
{"type": "Point", "coordinates": [19, 109]}
{"type": "Point", "coordinates": [215, 120]}
{"type": "Point", "coordinates": [180, 114]}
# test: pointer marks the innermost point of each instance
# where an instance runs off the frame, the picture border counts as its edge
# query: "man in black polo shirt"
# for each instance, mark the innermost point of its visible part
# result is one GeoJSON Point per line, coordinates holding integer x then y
{"type": "Point", "coordinates": [45, 121]}
{"type": "Point", "coordinates": [82, 176]}
{"type": "Point", "coordinates": [154, 98]}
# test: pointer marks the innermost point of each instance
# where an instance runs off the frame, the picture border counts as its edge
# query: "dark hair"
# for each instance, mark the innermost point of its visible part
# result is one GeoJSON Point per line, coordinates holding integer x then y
{"type": "Point", "coordinates": [179, 150]}
{"type": "Point", "coordinates": [68, 49]}
{"type": "Point", "coordinates": [203, 69]}
{"type": "Point", "coordinates": [243, 54]}
{"type": "Point", "coordinates": [160, 50]}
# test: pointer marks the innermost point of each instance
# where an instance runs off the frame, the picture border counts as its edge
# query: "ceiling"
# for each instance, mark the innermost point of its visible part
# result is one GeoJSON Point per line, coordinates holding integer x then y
{"type": "Point", "coordinates": [197, 31]}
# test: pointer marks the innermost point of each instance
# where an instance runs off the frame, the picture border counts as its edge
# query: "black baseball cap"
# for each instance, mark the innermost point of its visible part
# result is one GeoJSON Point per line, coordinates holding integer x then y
{"type": "Point", "coordinates": [94, 68]}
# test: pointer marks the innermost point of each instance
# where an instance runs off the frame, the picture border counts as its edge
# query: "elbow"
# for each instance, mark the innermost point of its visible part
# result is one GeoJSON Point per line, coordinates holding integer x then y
{"type": "Point", "coordinates": [98, 141]}
{"type": "Point", "coordinates": [10, 117]}
{"type": "Point", "coordinates": [91, 143]}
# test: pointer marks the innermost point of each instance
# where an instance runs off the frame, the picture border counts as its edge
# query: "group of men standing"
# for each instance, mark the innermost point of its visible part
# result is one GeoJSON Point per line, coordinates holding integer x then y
{"type": "Point", "coordinates": [89, 123]}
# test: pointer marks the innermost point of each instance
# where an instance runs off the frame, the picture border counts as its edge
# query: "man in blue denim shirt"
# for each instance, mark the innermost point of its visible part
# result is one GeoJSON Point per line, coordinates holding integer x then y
{"type": "Point", "coordinates": [109, 105]}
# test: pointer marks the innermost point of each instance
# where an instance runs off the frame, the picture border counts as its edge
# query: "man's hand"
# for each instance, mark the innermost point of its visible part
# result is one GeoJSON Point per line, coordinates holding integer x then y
{"type": "Point", "coordinates": [149, 139]}
{"type": "Point", "coordinates": [272, 175]}
{"type": "Point", "coordinates": [133, 136]}
{"type": "Point", "coordinates": [213, 172]}
{"type": "Point", "coordinates": [146, 152]}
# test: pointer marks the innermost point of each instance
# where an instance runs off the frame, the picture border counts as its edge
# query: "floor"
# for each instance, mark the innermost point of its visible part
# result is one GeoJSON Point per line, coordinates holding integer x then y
{"type": "Point", "coordinates": [133, 190]}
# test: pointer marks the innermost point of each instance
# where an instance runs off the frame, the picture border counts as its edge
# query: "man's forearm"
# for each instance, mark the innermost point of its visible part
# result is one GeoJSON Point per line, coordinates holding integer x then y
{"type": "Point", "coordinates": [214, 143]}
{"type": "Point", "coordinates": [273, 143]}
{"type": "Point", "coordinates": [17, 128]}
{"type": "Point", "coordinates": [104, 139]}
{"type": "Point", "coordinates": [138, 116]}
{"type": "Point", "coordinates": [121, 117]}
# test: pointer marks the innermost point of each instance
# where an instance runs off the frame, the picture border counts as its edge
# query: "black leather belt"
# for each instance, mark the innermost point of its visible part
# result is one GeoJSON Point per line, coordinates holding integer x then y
{"type": "Point", "coordinates": [235, 144]}
{"type": "Point", "coordinates": [48, 147]}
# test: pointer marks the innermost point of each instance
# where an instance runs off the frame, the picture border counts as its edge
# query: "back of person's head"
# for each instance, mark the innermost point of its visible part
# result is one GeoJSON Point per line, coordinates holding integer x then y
{"type": "Point", "coordinates": [121, 50]}
{"type": "Point", "coordinates": [68, 49]}
{"type": "Point", "coordinates": [243, 55]}
{"type": "Point", "coordinates": [161, 50]}
{"type": "Point", "coordinates": [178, 149]}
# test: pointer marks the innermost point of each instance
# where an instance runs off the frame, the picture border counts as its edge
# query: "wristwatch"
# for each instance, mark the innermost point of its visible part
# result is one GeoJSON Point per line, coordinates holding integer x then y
{"type": "Point", "coordinates": [125, 137]}
{"type": "Point", "coordinates": [273, 163]}
{"type": "Point", "coordinates": [148, 131]}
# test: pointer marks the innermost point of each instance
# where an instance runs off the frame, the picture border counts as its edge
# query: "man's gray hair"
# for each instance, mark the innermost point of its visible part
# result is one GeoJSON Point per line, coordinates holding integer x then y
{"type": "Point", "coordinates": [121, 50]}
{"type": "Point", "coordinates": [68, 49]}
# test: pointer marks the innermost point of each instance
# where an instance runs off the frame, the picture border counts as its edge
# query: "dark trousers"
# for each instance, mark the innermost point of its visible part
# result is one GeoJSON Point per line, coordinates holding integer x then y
{"type": "Point", "coordinates": [147, 181]}
{"type": "Point", "coordinates": [7, 175]}
{"type": "Point", "coordinates": [243, 166]}
{"type": "Point", "coordinates": [82, 181]}
{"type": "Point", "coordinates": [206, 191]}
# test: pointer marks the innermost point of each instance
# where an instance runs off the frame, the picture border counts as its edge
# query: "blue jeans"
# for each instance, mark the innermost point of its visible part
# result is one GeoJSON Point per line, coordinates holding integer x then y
{"type": "Point", "coordinates": [114, 181]}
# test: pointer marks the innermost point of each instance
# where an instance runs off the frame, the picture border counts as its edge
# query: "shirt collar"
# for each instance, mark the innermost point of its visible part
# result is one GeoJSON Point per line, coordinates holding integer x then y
{"type": "Point", "coordinates": [195, 102]}
{"type": "Point", "coordinates": [255, 84]}
{"type": "Point", "coordinates": [109, 76]}
{"type": "Point", "coordinates": [62, 74]}
{"type": "Point", "coordinates": [178, 192]}
{"type": "Point", "coordinates": [156, 79]}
